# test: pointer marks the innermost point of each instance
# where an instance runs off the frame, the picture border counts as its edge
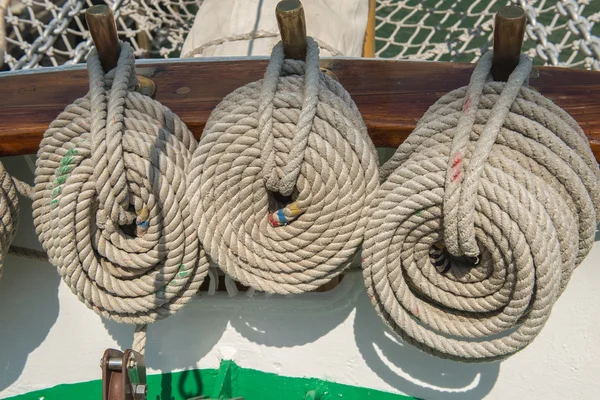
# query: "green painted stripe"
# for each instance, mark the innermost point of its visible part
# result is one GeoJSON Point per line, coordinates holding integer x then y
{"type": "Point", "coordinates": [226, 382]}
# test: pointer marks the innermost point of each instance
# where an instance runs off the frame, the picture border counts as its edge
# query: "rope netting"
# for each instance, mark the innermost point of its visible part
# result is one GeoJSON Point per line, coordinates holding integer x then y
{"type": "Point", "coordinates": [42, 33]}
{"type": "Point", "coordinates": [559, 32]}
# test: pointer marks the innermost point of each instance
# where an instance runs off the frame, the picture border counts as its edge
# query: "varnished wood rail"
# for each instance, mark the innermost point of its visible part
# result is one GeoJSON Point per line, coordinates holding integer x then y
{"type": "Point", "coordinates": [391, 95]}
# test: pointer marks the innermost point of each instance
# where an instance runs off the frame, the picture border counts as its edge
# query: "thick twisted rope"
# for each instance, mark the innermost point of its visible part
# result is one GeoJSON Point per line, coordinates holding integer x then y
{"type": "Point", "coordinates": [9, 213]}
{"type": "Point", "coordinates": [503, 183]}
{"type": "Point", "coordinates": [109, 203]}
{"type": "Point", "coordinates": [296, 133]}
{"type": "Point", "coordinates": [9, 217]}
{"type": "Point", "coordinates": [25, 190]}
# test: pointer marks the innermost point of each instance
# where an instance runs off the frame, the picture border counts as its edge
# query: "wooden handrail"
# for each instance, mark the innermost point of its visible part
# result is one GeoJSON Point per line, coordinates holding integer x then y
{"type": "Point", "coordinates": [391, 95]}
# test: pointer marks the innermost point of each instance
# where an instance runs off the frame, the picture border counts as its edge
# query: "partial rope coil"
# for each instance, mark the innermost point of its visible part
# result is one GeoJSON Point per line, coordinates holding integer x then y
{"type": "Point", "coordinates": [109, 203]}
{"type": "Point", "coordinates": [9, 217]}
{"type": "Point", "coordinates": [504, 183]}
{"type": "Point", "coordinates": [296, 133]}
{"type": "Point", "coordinates": [9, 213]}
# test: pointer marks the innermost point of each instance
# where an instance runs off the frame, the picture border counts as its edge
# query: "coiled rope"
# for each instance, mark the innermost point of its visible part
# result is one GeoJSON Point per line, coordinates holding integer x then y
{"type": "Point", "coordinates": [9, 217]}
{"type": "Point", "coordinates": [504, 183]}
{"type": "Point", "coordinates": [109, 203]}
{"type": "Point", "coordinates": [9, 213]}
{"type": "Point", "coordinates": [295, 133]}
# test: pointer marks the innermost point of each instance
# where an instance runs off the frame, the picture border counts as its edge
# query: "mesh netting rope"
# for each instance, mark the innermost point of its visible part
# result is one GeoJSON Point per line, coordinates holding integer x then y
{"type": "Point", "coordinates": [3, 8]}
{"type": "Point", "coordinates": [109, 202]}
{"type": "Point", "coordinates": [9, 217]}
{"type": "Point", "coordinates": [503, 181]}
{"type": "Point", "coordinates": [299, 134]}
{"type": "Point", "coordinates": [561, 32]}
{"type": "Point", "coordinates": [54, 32]}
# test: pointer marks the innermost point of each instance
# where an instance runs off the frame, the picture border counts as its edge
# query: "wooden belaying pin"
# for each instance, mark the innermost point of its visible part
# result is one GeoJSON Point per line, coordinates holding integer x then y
{"type": "Point", "coordinates": [292, 27]}
{"type": "Point", "coordinates": [369, 46]}
{"type": "Point", "coordinates": [509, 31]}
{"type": "Point", "coordinates": [103, 28]}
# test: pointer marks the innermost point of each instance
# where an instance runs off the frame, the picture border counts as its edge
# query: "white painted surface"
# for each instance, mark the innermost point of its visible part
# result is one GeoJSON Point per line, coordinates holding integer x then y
{"type": "Point", "coordinates": [47, 337]}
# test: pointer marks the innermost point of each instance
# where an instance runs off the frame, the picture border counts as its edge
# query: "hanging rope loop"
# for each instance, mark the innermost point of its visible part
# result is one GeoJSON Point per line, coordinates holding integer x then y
{"type": "Point", "coordinates": [109, 202]}
{"type": "Point", "coordinates": [281, 67]}
{"type": "Point", "coordinates": [465, 166]}
{"type": "Point", "coordinates": [493, 171]}
{"type": "Point", "coordinates": [108, 93]}
{"type": "Point", "coordinates": [296, 133]}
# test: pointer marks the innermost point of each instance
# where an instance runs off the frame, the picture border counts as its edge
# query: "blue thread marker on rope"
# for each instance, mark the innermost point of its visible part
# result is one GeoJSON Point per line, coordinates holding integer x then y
{"type": "Point", "coordinates": [282, 217]}
{"type": "Point", "coordinates": [142, 221]}
{"type": "Point", "coordinates": [279, 218]}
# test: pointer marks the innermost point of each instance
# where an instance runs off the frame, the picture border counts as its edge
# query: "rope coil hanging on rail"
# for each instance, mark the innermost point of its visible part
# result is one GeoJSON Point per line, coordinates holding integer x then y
{"type": "Point", "coordinates": [504, 182]}
{"type": "Point", "coordinates": [109, 202]}
{"type": "Point", "coordinates": [297, 133]}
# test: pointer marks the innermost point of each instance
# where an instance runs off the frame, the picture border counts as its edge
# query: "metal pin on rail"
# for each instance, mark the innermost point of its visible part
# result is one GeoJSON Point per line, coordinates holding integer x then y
{"type": "Point", "coordinates": [292, 27]}
{"type": "Point", "coordinates": [102, 27]}
{"type": "Point", "coordinates": [509, 31]}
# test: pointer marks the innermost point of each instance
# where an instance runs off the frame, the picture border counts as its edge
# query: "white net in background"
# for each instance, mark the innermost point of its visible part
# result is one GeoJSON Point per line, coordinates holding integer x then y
{"type": "Point", "coordinates": [51, 33]}
{"type": "Point", "coordinates": [560, 33]}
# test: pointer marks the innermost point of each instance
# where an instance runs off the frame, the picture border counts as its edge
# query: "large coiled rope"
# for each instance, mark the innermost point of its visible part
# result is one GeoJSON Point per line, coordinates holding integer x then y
{"type": "Point", "coordinates": [109, 203]}
{"type": "Point", "coordinates": [504, 184]}
{"type": "Point", "coordinates": [295, 133]}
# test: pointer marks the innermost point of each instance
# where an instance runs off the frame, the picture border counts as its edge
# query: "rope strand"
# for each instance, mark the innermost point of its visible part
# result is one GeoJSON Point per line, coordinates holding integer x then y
{"type": "Point", "coordinates": [28, 253]}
